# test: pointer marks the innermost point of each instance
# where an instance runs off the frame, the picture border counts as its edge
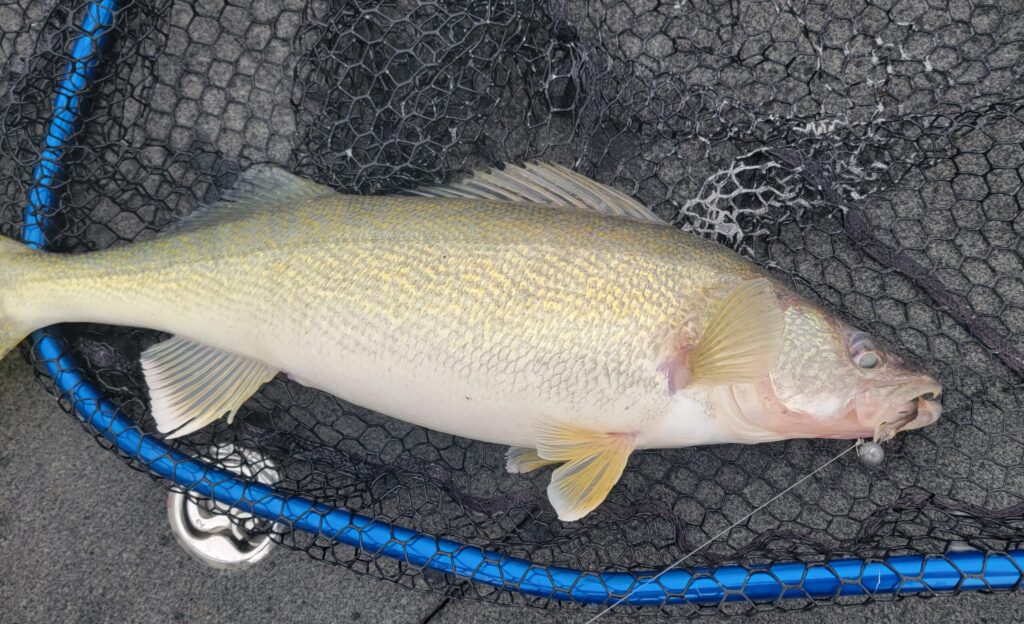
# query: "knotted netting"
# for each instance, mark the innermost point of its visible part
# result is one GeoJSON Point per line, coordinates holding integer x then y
{"type": "Point", "coordinates": [870, 153]}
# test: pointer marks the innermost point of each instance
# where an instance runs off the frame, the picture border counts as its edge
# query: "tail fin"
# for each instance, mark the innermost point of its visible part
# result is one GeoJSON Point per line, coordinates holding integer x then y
{"type": "Point", "coordinates": [13, 264]}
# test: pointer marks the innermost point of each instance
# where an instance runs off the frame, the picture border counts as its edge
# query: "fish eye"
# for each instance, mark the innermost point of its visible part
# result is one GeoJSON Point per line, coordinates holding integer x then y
{"type": "Point", "coordinates": [864, 352]}
{"type": "Point", "coordinates": [868, 359]}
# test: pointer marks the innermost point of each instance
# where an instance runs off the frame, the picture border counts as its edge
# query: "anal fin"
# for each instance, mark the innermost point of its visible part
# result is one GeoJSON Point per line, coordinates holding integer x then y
{"type": "Point", "coordinates": [594, 462]}
{"type": "Point", "coordinates": [192, 385]}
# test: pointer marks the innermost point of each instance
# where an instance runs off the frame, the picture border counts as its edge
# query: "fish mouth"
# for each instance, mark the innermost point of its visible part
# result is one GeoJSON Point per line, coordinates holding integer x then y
{"type": "Point", "coordinates": [916, 413]}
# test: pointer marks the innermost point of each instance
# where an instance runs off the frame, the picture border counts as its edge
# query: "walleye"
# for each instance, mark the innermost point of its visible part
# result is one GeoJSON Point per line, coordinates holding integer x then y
{"type": "Point", "coordinates": [529, 306]}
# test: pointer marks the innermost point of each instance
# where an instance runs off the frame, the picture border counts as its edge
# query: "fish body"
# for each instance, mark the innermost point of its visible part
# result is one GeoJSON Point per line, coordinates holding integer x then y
{"type": "Point", "coordinates": [569, 334]}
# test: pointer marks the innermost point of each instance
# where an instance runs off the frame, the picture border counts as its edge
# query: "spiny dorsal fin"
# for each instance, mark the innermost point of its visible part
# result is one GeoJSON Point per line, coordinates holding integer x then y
{"type": "Point", "coordinates": [594, 461]}
{"type": "Point", "coordinates": [192, 385]}
{"type": "Point", "coordinates": [260, 187]}
{"type": "Point", "coordinates": [543, 183]}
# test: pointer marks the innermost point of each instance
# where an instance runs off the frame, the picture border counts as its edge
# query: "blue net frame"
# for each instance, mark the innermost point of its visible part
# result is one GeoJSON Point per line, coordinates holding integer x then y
{"type": "Point", "coordinates": [907, 574]}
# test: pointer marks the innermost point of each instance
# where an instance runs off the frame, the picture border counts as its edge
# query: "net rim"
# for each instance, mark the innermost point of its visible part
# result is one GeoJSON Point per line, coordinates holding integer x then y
{"type": "Point", "coordinates": [967, 570]}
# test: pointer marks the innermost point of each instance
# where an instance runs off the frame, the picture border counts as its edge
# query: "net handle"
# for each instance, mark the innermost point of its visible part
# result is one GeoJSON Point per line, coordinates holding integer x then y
{"type": "Point", "coordinates": [909, 574]}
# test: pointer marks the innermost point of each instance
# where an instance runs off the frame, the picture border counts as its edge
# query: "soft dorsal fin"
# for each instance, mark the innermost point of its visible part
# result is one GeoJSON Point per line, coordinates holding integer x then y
{"type": "Point", "coordinates": [543, 183]}
{"type": "Point", "coordinates": [260, 187]}
{"type": "Point", "coordinates": [192, 385]}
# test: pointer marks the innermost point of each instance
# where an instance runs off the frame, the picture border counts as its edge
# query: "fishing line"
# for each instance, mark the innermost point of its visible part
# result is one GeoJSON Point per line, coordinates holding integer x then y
{"type": "Point", "coordinates": [723, 532]}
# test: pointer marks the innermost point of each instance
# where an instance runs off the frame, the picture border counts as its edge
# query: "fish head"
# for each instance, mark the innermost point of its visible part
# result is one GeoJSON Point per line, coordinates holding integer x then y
{"type": "Point", "coordinates": [832, 380]}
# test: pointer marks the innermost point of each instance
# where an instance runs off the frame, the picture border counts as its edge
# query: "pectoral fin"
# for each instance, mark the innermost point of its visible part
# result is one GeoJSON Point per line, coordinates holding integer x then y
{"type": "Point", "coordinates": [192, 385]}
{"type": "Point", "coordinates": [593, 464]}
{"type": "Point", "coordinates": [738, 345]}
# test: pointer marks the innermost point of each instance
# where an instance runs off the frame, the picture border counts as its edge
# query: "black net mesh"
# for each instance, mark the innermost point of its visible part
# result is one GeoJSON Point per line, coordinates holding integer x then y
{"type": "Point", "coordinates": [871, 152]}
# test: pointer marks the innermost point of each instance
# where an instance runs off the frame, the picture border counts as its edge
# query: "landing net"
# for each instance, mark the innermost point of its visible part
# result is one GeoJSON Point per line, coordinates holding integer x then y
{"type": "Point", "coordinates": [868, 153]}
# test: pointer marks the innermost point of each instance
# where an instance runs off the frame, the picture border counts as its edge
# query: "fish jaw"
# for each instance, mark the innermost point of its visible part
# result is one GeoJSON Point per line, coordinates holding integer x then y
{"type": "Point", "coordinates": [919, 408]}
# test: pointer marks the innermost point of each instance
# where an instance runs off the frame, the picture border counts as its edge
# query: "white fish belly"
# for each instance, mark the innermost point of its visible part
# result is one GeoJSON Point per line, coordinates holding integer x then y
{"type": "Point", "coordinates": [482, 410]}
{"type": "Point", "coordinates": [439, 402]}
